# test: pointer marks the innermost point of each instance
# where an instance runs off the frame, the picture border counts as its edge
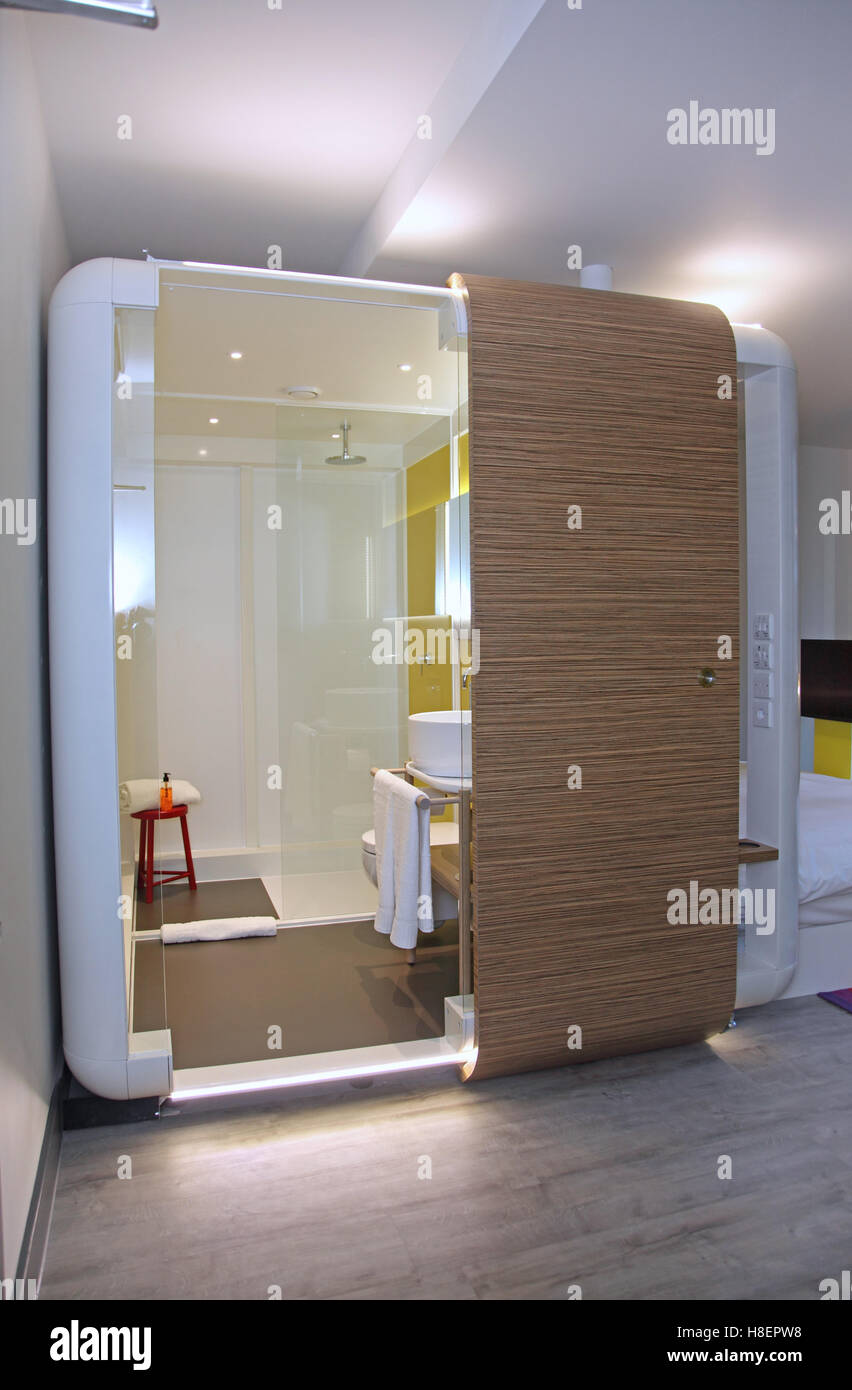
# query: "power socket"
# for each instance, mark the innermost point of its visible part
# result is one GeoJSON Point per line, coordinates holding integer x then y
{"type": "Point", "coordinates": [761, 686]}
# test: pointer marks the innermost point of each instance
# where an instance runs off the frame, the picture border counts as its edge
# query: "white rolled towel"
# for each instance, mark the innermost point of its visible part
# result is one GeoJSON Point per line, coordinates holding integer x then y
{"type": "Point", "coordinates": [218, 929]}
{"type": "Point", "coordinates": [144, 794]}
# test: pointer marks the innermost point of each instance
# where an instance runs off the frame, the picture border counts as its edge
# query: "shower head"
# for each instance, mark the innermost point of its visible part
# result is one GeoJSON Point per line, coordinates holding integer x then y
{"type": "Point", "coordinates": [346, 457]}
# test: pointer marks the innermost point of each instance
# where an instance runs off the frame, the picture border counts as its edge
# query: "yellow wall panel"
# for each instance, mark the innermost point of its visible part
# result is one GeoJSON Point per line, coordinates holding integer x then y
{"type": "Point", "coordinates": [427, 482]}
{"type": "Point", "coordinates": [427, 485]}
{"type": "Point", "coordinates": [421, 562]}
{"type": "Point", "coordinates": [464, 463]}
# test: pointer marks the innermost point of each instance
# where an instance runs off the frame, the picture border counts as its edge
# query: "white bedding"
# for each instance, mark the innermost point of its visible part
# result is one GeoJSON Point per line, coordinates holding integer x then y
{"type": "Point", "coordinates": [823, 912]}
{"type": "Point", "coordinates": [825, 837]}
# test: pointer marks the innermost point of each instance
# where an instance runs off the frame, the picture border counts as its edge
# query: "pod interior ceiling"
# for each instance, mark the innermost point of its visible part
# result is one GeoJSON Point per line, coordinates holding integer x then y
{"type": "Point", "coordinates": [367, 358]}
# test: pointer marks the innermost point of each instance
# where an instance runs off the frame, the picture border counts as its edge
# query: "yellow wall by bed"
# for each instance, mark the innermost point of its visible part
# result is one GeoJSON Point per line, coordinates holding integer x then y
{"type": "Point", "coordinates": [832, 748]}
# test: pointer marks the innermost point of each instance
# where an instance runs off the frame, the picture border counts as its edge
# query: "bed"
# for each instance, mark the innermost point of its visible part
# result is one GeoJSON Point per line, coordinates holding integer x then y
{"type": "Point", "coordinates": [825, 849]}
{"type": "Point", "coordinates": [825, 885]}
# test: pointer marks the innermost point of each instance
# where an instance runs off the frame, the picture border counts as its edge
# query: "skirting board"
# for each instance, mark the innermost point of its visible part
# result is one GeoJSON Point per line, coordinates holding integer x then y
{"type": "Point", "coordinates": [83, 1110]}
{"type": "Point", "coordinates": [825, 960]}
{"type": "Point", "coordinates": [36, 1231]}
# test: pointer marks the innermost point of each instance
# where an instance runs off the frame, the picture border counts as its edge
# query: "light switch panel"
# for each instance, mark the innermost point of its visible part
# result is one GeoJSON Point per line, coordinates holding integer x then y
{"type": "Point", "coordinates": [761, 657]}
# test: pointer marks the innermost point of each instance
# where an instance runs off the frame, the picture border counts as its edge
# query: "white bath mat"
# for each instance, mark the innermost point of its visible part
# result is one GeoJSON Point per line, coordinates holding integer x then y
{"type": "Point", "coordinates": [217, 929]}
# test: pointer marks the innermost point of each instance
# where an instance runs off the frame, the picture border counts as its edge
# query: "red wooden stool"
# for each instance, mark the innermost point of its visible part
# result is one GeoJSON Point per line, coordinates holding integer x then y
{"type": "Point", "coordinates": [147, 872]}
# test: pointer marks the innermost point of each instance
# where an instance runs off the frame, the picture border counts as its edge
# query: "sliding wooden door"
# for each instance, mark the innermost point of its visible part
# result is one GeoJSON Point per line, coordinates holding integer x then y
{"type": "Point", "coordinates": [604, 570]}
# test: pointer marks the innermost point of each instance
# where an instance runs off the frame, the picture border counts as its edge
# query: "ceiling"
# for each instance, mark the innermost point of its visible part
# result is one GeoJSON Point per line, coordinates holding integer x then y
{"type": "Point", "coordinates": [251, 127]}
{"type": "Point", "coordinates": [255, 127]}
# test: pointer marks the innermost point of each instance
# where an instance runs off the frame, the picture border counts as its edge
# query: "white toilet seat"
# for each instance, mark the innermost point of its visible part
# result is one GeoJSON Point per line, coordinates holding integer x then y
{"type": "Point", "coordinates": [440, 833]}
{"type": "Point", "coordinates": [445, 906]}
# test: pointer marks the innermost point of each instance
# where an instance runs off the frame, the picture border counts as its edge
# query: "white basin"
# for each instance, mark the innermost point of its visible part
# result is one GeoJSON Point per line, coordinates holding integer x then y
{"type": "Point", "coordinates": [439, 742]}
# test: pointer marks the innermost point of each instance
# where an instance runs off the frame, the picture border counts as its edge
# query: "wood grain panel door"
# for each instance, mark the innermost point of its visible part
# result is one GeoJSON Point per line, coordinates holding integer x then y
{"type": "Point", "coordinates": [604, 573]}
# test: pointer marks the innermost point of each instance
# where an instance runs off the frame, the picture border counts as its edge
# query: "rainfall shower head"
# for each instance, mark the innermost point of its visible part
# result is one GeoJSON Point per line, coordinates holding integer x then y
{"type": "Point", "coordinates": [346, 457]}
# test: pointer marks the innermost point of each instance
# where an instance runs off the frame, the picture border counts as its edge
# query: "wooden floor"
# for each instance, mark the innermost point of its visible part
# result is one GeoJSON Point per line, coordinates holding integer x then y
{"type": "Point", "coordinates": [602, 1175]}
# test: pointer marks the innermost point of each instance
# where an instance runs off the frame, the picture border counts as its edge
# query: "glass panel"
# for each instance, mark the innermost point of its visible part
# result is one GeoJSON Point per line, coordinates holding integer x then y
{"type": "Point", "coordinates": [745, 643]}
{"type": "Point", "coordinates": [460, 603]}
{"type": "Point", "coordinates": [134, 589]}
{"type": "Point", "coordinates": [311, 551]}
{"type": "Point", "coordinates": [370, 577]}
{"type": "Point", "coordinates": [341, 578]}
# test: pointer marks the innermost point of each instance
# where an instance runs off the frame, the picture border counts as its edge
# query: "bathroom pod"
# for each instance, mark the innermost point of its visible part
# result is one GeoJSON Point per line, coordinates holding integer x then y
{"type": "Point", "coordinates": [289, 514]}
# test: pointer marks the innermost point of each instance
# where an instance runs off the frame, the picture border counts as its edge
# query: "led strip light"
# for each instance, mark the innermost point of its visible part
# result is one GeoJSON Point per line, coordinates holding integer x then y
{"type": "Point", "coordinates": [226, 1088]}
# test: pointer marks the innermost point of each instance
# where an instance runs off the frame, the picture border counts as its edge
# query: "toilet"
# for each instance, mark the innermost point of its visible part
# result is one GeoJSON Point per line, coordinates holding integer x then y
{"type": "Point", "coordinates": [445, 907]}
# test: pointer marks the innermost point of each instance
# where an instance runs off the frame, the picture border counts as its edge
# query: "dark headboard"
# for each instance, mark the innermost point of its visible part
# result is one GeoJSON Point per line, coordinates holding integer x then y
{"type": "Point", "coordinates": [827, 680]}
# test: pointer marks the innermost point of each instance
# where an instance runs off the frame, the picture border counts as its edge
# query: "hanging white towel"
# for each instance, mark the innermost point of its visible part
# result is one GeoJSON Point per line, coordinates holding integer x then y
{"type": "Point", "coordinates": [143, 794]}
{"type": "Point", "coordinates": [217, 929]}
{"type": "Point", "coordinates": [403, 861]}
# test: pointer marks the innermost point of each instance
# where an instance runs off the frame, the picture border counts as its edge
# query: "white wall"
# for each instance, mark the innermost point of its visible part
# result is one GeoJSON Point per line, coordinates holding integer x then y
{"type": "Point", "coordinates": [197, 634]}
{"type": "Point", "coordinates": [825, 562]}
{"type": "Point", "coordinates": [33, 255]}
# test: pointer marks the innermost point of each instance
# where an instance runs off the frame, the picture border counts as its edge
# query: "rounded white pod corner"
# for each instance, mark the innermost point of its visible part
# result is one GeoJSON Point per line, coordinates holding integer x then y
{"type": "Point", "coordinates": [103, 1077]}
{"type": "Point", "coordinates": [760, 347]}
{"type": "Point", "coordinates": [87, 283]}
{"type": "Point", "coordinates": [108, 280]}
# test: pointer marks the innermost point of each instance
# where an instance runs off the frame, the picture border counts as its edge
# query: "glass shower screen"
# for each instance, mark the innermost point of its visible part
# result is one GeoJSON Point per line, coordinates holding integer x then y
{"type": "Point", "coordinates": [308, 531]}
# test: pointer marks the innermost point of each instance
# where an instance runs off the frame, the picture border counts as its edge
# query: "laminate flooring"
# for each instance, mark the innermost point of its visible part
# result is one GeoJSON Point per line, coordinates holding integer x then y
{"type": "Point", "coordinates": [603, 1175]}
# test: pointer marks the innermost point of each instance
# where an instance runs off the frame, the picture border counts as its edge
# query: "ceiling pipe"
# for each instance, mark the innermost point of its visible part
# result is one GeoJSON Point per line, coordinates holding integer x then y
{"type": "Point", "coordinates": [137, 12]}
{"type": "Point", "coordinates": [596, 277]}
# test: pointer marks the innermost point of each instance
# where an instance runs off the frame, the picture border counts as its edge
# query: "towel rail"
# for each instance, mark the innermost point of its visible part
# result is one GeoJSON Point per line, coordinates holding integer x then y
{"type": "Point", "coordinates": [436, 803]}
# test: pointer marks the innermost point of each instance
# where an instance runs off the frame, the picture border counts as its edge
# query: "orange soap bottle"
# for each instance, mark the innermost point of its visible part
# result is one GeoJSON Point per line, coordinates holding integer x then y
{"type": "Point", "coordinates": [165, 793]}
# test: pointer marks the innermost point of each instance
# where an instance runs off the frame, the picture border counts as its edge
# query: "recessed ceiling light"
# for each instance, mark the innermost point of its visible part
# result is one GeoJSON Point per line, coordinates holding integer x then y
{"type": "Point", "coordinates": [405, 366]}
{"type": "Point", "coordinates": [302, 393]}
{"type": "Point", "coordinates": [335, 436]}
{"type": "Point", "coordinates": [214, 420]}
{"type": "Point", "coordinates": [202, 453]}
{"type": "Point", "coordinates": [235, 356]}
